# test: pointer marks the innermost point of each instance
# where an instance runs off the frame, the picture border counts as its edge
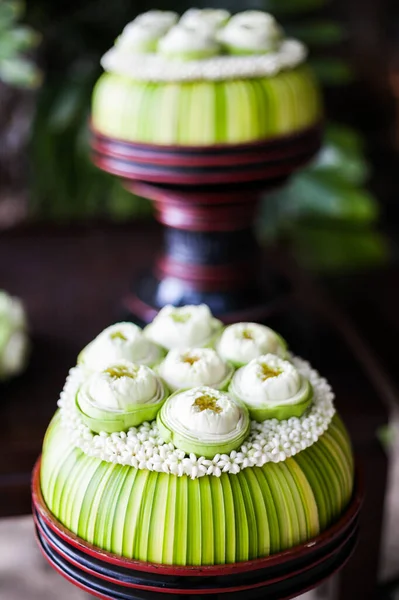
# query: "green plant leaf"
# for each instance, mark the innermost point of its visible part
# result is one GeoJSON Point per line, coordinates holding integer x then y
{"type": "Point", "coordinates": [332, 71]}
{"type": "Point", "coordinates": [25, 37]}
{"type": "Point", "coordinates": [322, 196]}
{"type": "Point", "coordinates": [323, 247]}
{"type": "Point", "coordinates": [71, 187]}
{"type": "Point", "coordinates": [387, 435]}
{"type": "Point", "coordinates": [334, 161]}
{"type": "Point", "coordinates": [20, 72]}
{"type": "Point", "coordinates": [17, 40]}
{"type": "Point", "coordinates": [337, 199]}
{"type": "Point", "coordinates": [122, 204]}
{"type": "Point", "coordinates": [318, 32]}
{"type": "Point", "coordinates": [10, 12]}
{"type": "Point", "coordinates": [342, 156]}
{"type": "Point", "coordinates": [344, 137]}
{"type": "Point", "coordinates": [66, 108]}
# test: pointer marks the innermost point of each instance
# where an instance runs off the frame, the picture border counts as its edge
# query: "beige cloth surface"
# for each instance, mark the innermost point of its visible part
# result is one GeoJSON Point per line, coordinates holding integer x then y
{"type": "Point", "coordinates": [24, 574]}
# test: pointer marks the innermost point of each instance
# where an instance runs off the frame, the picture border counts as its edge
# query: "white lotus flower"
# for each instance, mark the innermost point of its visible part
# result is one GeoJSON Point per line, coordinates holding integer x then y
{"type": "Point", "coordinates": [165, 18]}
{"type": "Point", "coordinates": [120, 341]}
{"type": "Point", "coordinates": [271, 388]}
{"type": "Point", "coordinates": [242, 342]}
{"type": "Point", "coordinates": [251, 31]}
{"type": "Point", "coordinates": [12, 310]}
{"type": "Point", "coordinates": [185, 327]}
{"type": "Point", "coordinates": [213, 18]}
{"type": "Point", "coordinates": [137, 39]}
{"type": "Point", "coordinates": [191, 368]}
{"type": "Point", "coordinates": [121, 386]}
{"type": "Point", "coordinates": [142, 34]}
{"type": "Point", "coordinates": [120, 396]}
{"type": "Point", "coordinates": [14, 342]}
{"type": "Point", "coordinates": [204, 421]}
{"type": "Point", "coordinates": [189, 42]}
{"type": "Point", "coordinates": [204, 411]}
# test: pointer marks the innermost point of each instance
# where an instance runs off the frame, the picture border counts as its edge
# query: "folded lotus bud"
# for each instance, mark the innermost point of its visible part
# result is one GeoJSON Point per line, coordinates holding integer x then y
{"type": "Point", "coordinates": [251, 32]}
{"type": "Point", "coordinates": [124, 341]}
{"type": "Point", "coordinates": [189, 42]}
{"type": "Point", "coordinates": [167, 18]}
{"type": "Point", "coordinates": [203, 421]}
{"type": "Point", "coordinates": [190, 368]}
{"type": "Point", "coordinates": [271, 388]}
{"type": "Point", "coordinates": [185, 327]}
{"type": "Point", "coordinates": [120, 396]}
{"type": "Point", "coordinates": [212, 17]}
{"type": "Point", "coordinates": [242, 342]}
{"type": "Point", "coordinates": [141, 36]}
{"type": "Point", "coordinates": [14, 342]}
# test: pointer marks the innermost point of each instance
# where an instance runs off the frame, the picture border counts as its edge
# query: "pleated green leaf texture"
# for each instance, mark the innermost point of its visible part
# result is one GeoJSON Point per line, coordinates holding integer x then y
{"type": "Point", "coordinates": [161, 518]}
{"type": "Point", "coordinates": [205, 113]}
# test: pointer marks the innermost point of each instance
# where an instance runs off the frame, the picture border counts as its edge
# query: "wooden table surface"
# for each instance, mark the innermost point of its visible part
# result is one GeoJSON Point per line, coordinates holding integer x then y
{"type": "Point", "coordinates": [70, 279]}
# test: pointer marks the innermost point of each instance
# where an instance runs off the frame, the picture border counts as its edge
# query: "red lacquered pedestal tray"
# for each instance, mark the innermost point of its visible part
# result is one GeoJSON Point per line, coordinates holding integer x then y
{"type": "Point", "coordinates": [206, 197]}
{"type": "Point", "coordinates": [277, 577]}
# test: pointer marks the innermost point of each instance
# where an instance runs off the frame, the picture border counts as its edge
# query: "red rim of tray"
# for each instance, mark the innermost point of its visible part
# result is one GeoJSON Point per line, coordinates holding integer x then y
{"type": "Point", "coordinates": [297, 551]}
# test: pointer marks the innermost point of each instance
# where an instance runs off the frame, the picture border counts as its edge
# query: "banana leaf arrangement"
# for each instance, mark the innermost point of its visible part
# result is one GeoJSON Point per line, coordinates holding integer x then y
{"type": "Point", "coordinates": [325, 211]}
{"type": "Point", "coordinates": [222, 475]}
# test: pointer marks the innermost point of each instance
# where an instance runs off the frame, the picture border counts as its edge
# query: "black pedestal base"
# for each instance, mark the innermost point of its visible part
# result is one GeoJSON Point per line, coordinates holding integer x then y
{"type": "Point", "coordinates": [206, 197]}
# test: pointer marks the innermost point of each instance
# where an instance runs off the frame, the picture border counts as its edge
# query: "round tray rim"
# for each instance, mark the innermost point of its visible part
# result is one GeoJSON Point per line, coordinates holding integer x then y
{"type": "Point", "coordinates": [311, 585]}
{"type": "Point", "coordinates": [316, 128]}
{"type": "Point", "coordinates": [165, 176]}
{"type": "Point", "coordinates": [207, 570]}
{"type": "Point", "coordinates": [203, 591]}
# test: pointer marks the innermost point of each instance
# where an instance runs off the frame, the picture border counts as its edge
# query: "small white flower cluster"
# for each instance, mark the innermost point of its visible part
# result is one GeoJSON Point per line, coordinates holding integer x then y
{"type": "Point", "coordinates": [14, 339]}
{"type": "Point", "coordinates": [143, 448]}
{"type": "Point", "coordinates": [155, 67]}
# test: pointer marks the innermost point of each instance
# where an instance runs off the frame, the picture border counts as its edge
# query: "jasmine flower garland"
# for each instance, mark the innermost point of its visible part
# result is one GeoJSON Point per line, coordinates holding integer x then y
{"type": "Point", "coordinates": [143, 447]}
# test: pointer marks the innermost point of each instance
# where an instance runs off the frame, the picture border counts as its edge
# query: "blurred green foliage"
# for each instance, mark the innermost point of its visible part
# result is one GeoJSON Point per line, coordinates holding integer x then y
{"type": "Point", "coordinates": [325, 210]}
{"type": "Point", "coordinates": [317, 210]}
{"type": "Point", "coordinates": [388, 436]}
{"type": "Point", "coordinates": [65, 185]}
{"type": "Point", "coordinates": [16, 41]}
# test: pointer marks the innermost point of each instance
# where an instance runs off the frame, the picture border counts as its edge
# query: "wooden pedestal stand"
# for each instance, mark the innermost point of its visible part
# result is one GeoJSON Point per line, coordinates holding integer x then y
{"type": "Point", "coordinates": [207, 199]}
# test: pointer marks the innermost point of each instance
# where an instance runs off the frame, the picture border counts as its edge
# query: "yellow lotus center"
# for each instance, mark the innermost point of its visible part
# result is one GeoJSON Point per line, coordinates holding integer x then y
{"type": "Point", "coordinates": [268, 372]}
{"type": "Point", "coordinates": [207, 402]}
{"type": "Point", "coordinates": [121, 371]}
{"type": "Point", "coordinates": [180, 317]}
{"type": "Point", "coordinates": [247, 335]}
{"type": "Point", "coordinates": [190, 359]}
{"type": "Point", "coordinates": [118, 335]}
